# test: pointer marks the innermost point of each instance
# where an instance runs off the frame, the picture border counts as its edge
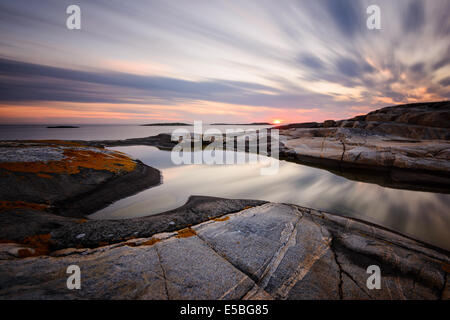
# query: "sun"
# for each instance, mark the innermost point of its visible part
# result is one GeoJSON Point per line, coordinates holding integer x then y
{"type": "Point", "coordinates": [276, 121]}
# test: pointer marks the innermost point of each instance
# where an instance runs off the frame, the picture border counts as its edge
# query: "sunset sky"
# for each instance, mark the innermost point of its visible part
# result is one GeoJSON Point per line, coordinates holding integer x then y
{"type": "Point", "coordinates": [218, 61]}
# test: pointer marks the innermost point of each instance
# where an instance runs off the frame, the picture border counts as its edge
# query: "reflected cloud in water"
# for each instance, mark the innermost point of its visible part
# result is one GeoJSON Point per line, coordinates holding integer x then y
{"type": "Point", "coordinates": [422, 215]}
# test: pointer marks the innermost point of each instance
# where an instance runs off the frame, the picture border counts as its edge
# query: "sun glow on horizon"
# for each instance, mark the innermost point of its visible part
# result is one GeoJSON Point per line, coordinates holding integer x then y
{"type": "Point", "coordinates": [276, 121]}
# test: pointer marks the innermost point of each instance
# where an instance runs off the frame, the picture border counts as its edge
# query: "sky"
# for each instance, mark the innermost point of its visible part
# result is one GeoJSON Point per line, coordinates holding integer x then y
{"type": "Point", "coordinates": [218, 61]}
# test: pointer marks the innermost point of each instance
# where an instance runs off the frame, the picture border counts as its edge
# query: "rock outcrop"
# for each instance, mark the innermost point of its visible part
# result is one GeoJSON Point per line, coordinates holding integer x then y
{"type": "Point", "coordinates": [270, 251]}
{"type": "Point", "coordinates": [213, 248]}
{"type": "Point", "coordinates": [409, 144]}
{"type": "Point", "coordinates": [42, 182]}
{"type": "Point", "coordinates": [162, 141]}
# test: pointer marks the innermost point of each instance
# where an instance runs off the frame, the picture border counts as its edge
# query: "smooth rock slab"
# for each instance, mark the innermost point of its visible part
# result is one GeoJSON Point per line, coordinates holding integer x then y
{"type": "Point", "coordinates": [116, 273]}
{"type": "Point", "coordinates": [272, 251]}
{"type": "Point", "coordinates": [194, 271]}
{"type": "Point", "coordinates": [251, 239]}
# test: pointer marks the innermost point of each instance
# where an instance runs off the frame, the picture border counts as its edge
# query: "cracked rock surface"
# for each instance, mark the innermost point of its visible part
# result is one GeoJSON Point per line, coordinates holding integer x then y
{"type": "Point", "coordinates": [408, 144]}
{"type": "Point", "coordinates": [270, 251]}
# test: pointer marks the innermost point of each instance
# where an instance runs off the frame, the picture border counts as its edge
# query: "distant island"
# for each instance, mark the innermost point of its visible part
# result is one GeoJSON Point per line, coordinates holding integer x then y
{"type": "Point", "coordinates": [166, 124]}
{"type": "Point", "coordinates": [62, 127]}
{"type": "Point", "coordinates": [242, 124]}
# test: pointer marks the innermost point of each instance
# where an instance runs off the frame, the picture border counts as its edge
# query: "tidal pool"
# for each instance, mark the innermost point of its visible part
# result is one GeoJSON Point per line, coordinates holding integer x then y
{"type": "Point", "coordinates": [422, 215]}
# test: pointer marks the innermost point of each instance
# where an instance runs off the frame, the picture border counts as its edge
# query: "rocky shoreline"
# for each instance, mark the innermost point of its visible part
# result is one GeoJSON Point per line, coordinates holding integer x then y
{"type": "Point", "coordinates": [405, 146]}
{"type": "Point", "coordinates": [214, 248]}
{"type": "Point", "coordinates": [264, 251]}
{"type": "Point", "coordinates": [43, 182]}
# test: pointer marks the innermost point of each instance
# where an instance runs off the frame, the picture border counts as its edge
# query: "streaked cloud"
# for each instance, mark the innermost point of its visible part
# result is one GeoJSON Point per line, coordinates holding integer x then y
{"type": "Point", "coordinates": [213, 59]}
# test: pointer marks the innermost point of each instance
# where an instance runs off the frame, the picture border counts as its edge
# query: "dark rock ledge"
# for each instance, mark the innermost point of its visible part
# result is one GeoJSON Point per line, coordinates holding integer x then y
{"type": "Point", "coordinates": [269, 251]}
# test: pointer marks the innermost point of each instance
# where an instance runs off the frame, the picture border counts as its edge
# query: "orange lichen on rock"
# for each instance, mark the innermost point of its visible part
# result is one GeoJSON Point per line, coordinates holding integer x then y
{"type": "Point", "coordinates": [222, 219]}
{"type": "Point", "coordinates": [74, 159]}
{"type": "Point", "coordinates": [150, 242]}
{"type": "Point", "coordinates": [186, 233]}
{"type": "Point", "coordinates": [40, 243]}
{"type": "Point", "coordinates": [24, 253]}
{"type": "Point", "coordinates": [446, 267]}
{"type": "Point", "coordinates": [43, 175]}
{"type": "Point", "coordinates": [9, 205]}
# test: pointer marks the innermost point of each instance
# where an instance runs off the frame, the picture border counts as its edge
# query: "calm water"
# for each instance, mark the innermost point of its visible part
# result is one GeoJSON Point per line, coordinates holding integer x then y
{"type": "Point", "coordinates": [93, 132]}
{"type": "Point", "coordinates": [422, 215]}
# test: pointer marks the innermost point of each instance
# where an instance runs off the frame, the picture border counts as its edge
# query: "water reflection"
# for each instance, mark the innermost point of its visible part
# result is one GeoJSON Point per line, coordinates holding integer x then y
{"type": "Point", "coordinates": [422, 215]}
